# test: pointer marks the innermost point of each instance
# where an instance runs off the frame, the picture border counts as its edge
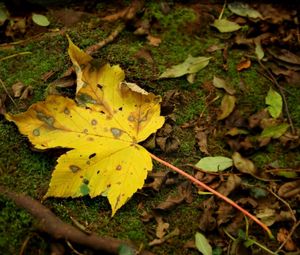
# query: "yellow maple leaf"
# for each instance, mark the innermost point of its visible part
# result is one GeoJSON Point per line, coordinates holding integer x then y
{"type": "Point", "coordinates": [102, 129]}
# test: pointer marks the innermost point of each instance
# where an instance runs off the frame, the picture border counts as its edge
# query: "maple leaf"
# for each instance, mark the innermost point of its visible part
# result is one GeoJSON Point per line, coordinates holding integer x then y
{"type": "Point", "coordinates": [102, 129]}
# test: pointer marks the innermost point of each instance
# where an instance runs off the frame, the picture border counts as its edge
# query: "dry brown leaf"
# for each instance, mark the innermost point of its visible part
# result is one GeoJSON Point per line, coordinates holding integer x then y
{"type": "Point", "coordinates": [184, 194]}
{"type": "Point", "coordinates": [201, 137]}
{"type": "Point", "coordinates": [244, 165]}
{"type": "Point", "coordinates": [153, 40]}
{"type": "Point", "coordinates": [289, 189]}
{"type": "Point", "coordinates": [230, 185]}
{"type": "Point", "coordinates": [27, 93]}
{"type": "Point", "coordinates": [282, 235]}
{"type": "Point", "coordinates": [207, 221]}
{"type": "Point", "coordinates": [18, 88]}
{"type": "Point", "coordinates": [225, 213]}
{"type": "Point", "coordinates": [244, 64]}
{"type": "Point", "coordinates": [144, 54]}
{"type": "Point", "coordinates": [175, 232]}
{"type": "Point", "coordinates": [162, 227]}
{"type": "Point", "coordinates": [158, 179]}
{"type": "Point", "coordinates": [255, 119]}
{"type": "Point", "coordinates": [286, 56]}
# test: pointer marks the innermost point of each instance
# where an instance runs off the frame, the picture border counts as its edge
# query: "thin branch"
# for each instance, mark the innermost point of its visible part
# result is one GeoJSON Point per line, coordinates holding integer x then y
{"type": "Point", "coordinates": [6, 91]}
{"type": "Point", "coordinates": [110, 38]}
{"type": "Point", "coordinates": [15, 55]}
{"type": "Point", "coordinates": [216, 193]}
{"type": "Point", "coordinates": [49, 223]}
{"type": "Point", "coordinates": [285, 202]}
{"type": "Point", "coordinates": [275, 82]}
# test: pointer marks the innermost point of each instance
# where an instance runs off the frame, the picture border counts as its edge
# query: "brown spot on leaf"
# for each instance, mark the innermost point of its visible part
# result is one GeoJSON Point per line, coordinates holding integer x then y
{"type": "Point", "coordinates": [85, 131]}
{"type": "Point", "coordinates": [116, 132]}
{"type": "Point", "coordinates": [66, 111]}
{"type": "Point", "coordinates": [119, 167]}
{"type": "Point", "coordinates": [119, 183]}
{"type": "Point", "coordinates": [90, 139]}
{"type": "Point", "coordinates": [86, 181]}
{"type": "Point", "coordinates": [98, 171]}
{"type": "Point", "coordinates": [120, 108]}
{"type": "Point", "coordinates": [99, 86]}
{"type": "Point", "coordinates": [92, 155]}
{"type": "Point", "coordinates": [108, 185]}
{"type": "Point", "coordinates": [88, 162]}
{"type": "Point", "coordinates": [36, 132]}
{"type": "Point", "coordinates": [74, 168]}
{"type": "Point", "coordinates": [131, 118]}
{"type": "Point", "coordinates": [94, 122]}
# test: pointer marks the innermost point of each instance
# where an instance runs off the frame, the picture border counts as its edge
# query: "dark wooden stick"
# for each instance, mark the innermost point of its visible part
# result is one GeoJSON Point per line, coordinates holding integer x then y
{"type": "Point", "coordinates": [49, 223]}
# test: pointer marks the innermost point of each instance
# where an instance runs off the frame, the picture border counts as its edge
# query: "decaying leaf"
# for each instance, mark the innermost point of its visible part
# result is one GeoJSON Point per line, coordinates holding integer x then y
{"type": "Point", "coordinates": [202, 244]}
{"type": "Point", "coordinates": [18, 88]}
{"type": "Point", "coordinates": [214, 164]}
{"type": "Point", "coordinates": [289, 189]}
{"type": "Point", "coordinates": [243, 64]}
{"type": "Point", "coordinates": [162, 227]}
{"type": "Point", "coordinates": [282, 235]}
{"type": "Point", "coordinates": [102, 132]}
{"type": "Point", "coordinates": [173, 233]}
{"type": "Point", "coordinates": [274, 102]}
{"type": "Point", "coordinates": [286, 56]}
{"type": "Point", "coordinates": [230, 185]}
{"type": "Point", "coordinates": [225, 26]}
{"type": "Point", "coordinates": [267, 216]}
{"type": "Point", "coordinates": [244, 10]}
{"type": "Point", "coordinates": [275, 131]}
{"type": "Point", "coordinates": [227, 106]}
{"type": "Point", "coordinates": [184, 194]}
{"type": "Point", "coordinates": [220, 83]}
{"type": "Point", "coordinates": [201, 137]}
{"type": "Point", "coordinates": [244, 165]}
{"type": "Point", "coordinates": [190, 65]}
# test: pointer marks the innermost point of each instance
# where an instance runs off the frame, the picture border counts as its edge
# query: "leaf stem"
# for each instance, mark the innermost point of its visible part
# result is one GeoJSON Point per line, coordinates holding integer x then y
{"type": "Point", "coordinates": [216, 193]}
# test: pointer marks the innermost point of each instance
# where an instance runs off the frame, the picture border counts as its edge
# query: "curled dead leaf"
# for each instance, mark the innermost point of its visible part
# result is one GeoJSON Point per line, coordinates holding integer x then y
{"type": "Point", "coordinates": [244, 64]}
{"type": "Point", "coordinates": [18, 88]}
{"type": "Point", "coordinates": [201, 137]}
{"type": "Point", "coordinates": [282, 235]}
{"type": "Point", "coordinates": [244, 165]}
{"type": "Point", "coordinates": [161, 228]}
{"type": "Point", "coordinates": [184, 194]}
{"type": "Point", "coordinates": [230, 185]}
{"type": "Point", "coordinates": [289, 189]}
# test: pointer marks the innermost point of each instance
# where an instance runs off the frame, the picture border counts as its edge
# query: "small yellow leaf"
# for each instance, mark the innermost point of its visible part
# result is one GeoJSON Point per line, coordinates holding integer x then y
{"type": "Point", "coordinates": [227, 106]}
{"type": "Point", "coordinates": [102, 130]}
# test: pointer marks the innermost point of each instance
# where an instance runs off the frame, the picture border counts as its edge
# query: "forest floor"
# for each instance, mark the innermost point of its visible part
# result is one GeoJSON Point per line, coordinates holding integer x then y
{"type": "Point", "coordinates": [169, 208]}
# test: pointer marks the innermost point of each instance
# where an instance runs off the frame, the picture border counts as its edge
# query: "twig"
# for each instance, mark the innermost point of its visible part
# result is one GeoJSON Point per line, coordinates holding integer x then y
{"type": "Point", "coordinates": [289, 236]}
{"type": "Point", "coordinates": [110, 38]}
{"type": "Point", "coordinates": [283, 201]}
{"type": "Point", "coordinates": [6, 91]}
{"type": "Point", "coordinates": [49, 223]}
{"type": "Point", "coordinates": [216, 193]}
{"type": "Point", "coordinates": [73, 249]}
{"type": "Point", "coordinates": [275, 82]}
{"type": "Point", "coordinates": [15, 55]}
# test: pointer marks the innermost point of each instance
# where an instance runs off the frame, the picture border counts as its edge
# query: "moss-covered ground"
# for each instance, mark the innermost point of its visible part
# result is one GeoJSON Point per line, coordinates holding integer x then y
{"type": "Point", "coordinates": [23, 169]}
